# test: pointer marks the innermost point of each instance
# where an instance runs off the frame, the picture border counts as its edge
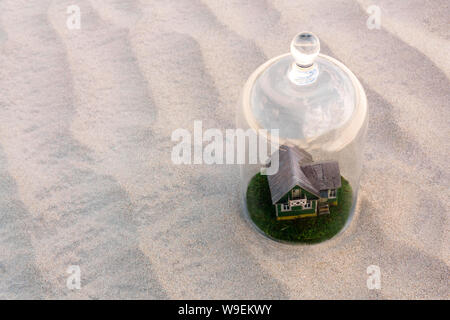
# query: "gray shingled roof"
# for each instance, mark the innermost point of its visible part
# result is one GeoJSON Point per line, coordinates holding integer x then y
{"type": "Point", "coordinates": [323, 175]}
{"type": "Point", "coordinates": [296, 167]}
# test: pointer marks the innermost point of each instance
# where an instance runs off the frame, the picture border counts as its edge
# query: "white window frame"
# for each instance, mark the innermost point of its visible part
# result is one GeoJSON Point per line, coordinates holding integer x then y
{"type": "Point", "coordinates": [285, 207]}
{"type": "Point", "coordinates": [298, 191]}
{"type": "Point", "coordinates": [307, 205]}
{"type": "Point", "coordinates": [329, 193]}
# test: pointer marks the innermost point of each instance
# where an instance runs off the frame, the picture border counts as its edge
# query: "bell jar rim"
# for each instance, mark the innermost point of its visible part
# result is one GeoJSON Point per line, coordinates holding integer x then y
{"type": "Point", "coordinates": [335, 240]}
{"type": "Point", "coordinates": [348, 131]}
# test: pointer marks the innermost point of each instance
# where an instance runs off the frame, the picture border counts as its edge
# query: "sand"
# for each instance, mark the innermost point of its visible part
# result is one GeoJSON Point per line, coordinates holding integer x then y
{"type": "Point", "coordinates": [86, 179]}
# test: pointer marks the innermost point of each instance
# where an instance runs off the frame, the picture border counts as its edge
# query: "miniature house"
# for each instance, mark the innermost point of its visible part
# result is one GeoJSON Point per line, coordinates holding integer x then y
{"type": "Point", "coordinates": [303, 188]}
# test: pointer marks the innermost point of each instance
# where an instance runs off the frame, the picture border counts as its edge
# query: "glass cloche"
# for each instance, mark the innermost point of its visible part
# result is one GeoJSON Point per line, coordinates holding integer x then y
{"type": "Point", "coordinates": [312, 111]}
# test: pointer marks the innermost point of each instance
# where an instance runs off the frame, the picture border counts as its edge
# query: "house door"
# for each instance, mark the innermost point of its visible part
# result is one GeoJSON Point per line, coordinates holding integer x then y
{"type": "Point", "coordinates": [296, 193]}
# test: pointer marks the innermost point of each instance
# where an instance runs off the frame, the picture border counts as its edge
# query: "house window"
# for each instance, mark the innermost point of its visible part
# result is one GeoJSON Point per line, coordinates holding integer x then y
{"type": "Point", "coordinates": [332, 193]}
{"type": "Point", "coordinates": [296, 193]}
{"type": "Point", "coordinates": [307, 205]}
{"type": "Point", "coordinates": [285, 207]}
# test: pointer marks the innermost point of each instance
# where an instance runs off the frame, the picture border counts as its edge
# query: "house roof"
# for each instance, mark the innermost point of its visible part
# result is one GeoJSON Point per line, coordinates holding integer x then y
{"type": "Point", "coordinates": [323, 175]}
{"type": "Point", "coordinates": [296, 167]}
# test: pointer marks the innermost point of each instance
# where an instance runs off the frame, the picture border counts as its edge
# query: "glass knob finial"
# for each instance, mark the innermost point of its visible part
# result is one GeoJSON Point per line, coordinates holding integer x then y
{"type": "Point", "coordinates": [304, 48]}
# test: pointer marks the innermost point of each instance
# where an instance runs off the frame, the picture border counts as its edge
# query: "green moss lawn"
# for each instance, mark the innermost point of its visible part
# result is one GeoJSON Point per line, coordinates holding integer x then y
{"type": "Point", "coordinates": [302, 230]}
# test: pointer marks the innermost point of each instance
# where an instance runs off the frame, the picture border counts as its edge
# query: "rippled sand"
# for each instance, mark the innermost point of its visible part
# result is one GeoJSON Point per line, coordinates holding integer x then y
{"type": "Point", "coordinates": [85, 173]}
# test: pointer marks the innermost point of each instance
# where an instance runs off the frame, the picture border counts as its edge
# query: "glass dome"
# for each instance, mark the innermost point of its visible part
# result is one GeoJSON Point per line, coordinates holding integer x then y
{"type": "Point", "coordinates": [319, 108]}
